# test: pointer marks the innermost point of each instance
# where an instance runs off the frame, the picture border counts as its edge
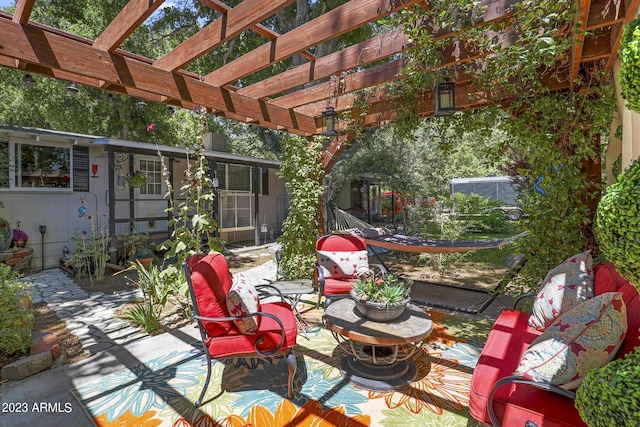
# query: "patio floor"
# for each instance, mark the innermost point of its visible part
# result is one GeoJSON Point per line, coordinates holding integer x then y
{"type": "Point", "coordinates": [117, 346]}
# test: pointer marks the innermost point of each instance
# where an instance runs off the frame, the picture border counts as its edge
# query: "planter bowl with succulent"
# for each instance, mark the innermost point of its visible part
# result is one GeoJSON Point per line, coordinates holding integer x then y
{"type": "Point", "coordinates": [382, 298]}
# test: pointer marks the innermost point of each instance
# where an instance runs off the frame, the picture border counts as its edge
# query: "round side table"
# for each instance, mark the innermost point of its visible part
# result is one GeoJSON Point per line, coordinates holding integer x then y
{"type": "Point", "coordinates": [378, 353]}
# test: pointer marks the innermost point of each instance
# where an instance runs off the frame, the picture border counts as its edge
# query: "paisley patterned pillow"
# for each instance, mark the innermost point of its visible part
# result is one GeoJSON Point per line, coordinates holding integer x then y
{"type": "Point", "coordinates": [340, 265]}
{"type": "Point", "coordinates": [564, 287]}
{"type": "Point", "coordinates": [585, 337]}
{"type": "Point", "coordinates": [243, 299]}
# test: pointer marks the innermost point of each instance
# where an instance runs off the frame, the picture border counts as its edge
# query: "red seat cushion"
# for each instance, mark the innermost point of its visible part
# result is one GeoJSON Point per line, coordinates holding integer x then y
{"type": "Point", "coordinates": [334, 287]}
{"type": "Point", "coordinates": [339, 243]}
{"type": "Point", "coordinates": [211, 282]}
{"type": "Point", "coordinates": [508, 339]}
{"type": "Point", "coordinates": [235, 343]}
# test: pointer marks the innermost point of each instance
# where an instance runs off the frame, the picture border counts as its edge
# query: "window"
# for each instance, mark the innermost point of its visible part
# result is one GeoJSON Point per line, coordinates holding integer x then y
{"type": "Point", "coordinates": [42, 166]}
{"type": "Point", "coordinates": [239, 178]}
{"type": "Point", "coordinates": [153, 170]}
{"type": "Point", "coordinates": [236, 210]}
{"type": "Point", "coordinates": [237, 198]}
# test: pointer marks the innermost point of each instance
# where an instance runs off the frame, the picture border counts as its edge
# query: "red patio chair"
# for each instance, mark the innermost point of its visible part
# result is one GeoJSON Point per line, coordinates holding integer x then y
{"type": "Point", "coordinates": [342, 259]}
{"type": "Point", "coordinates": [275, 334]}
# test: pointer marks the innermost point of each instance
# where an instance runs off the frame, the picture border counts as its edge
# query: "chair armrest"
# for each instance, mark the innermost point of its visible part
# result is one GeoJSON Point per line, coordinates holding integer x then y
{"type": "Point", "coordinates": [259, 340]}
{"type": "Point", "coordinates": [518, 380]}
{"type": "Point", "coordinates": [278, 292]}
{"type": "Point", "coordinates": [522, 298]}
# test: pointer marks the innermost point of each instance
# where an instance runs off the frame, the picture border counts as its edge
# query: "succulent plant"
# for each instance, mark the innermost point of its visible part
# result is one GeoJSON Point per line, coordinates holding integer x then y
{"type": "Point", "coordinates": [388, 289]}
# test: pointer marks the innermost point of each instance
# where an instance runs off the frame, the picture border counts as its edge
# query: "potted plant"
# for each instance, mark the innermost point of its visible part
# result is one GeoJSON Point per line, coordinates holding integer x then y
{"type": "Point", "coordinates": [5, 234]}
{"type": "Point", "coordinates": [382, 298]}
{"type": "Point", "coordinates": [137, 179]}
{"type": "Point", "coordinates": [617, 228]}
{"type": "Point", "coordinates": [609, 395]}
{"type": "Point", "coordinates": [145, 257]}
{"type": "Point", "coordinates": [20, 237]}
{"type": "Point", "coordinates": [630, 60]}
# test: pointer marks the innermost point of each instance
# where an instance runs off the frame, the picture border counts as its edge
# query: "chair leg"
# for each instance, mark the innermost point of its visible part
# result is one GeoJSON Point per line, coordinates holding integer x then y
{"type": "Point", "coordinates": [206, 382]}
{"type": "Point", "coordinates": [292, 366]}
{"type": "Point", "coordinates": [327, 301]}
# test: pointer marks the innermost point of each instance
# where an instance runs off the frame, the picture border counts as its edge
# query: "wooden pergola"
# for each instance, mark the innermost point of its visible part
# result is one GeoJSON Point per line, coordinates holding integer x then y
{"type": "Point", "coordinates": [293, 100]}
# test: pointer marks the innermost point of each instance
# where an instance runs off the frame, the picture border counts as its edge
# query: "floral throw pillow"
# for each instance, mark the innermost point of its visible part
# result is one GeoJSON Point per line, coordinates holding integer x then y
{"type": "Point", "coordinates": [584, 338]}
{"type": "Point", "coordinates": [243, 299]}
{"type": "Point", "coordinates": [564, 287]}
{"type": "Point", "coordinates": [340, 265]}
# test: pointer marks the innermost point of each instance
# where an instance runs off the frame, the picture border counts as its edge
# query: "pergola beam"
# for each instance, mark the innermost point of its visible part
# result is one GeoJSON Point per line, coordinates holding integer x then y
{"type": "Point", "coordinates": [23, 11]}
{"type": "Point", "coordinates": [330, 25]}
{"type": "Point", "coordinates": [260, 29]}
{"type": "Point", "coordinates": [228, 26]}
{"type": "Point", "coordinates": [127, 21]}
{"type": "Point", "coordinates": [34, 45]}
{"type": "Point", "coordinates": [294, 99]}
{"type": "Point", "coordinates": [374, 49]}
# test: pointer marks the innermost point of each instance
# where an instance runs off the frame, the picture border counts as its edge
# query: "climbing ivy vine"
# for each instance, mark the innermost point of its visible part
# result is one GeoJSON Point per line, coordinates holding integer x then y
{"type": "Point", "coordinates": [301, 168]}
{"type": "Point", "coordinates": [554, 138]}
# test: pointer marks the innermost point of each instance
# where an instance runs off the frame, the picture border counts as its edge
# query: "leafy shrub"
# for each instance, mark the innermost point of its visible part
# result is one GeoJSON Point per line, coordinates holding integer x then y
{"type": "Point", "coordinates": [486, 217]}
{"type": "Point", "coordinates": [16, 320]}
{"type": "Point", "coordinates": [473, 203]}
{"type": "Point", "coordinates": [143, 315]}
{"type": "Point", "coordinates": [419, 218]}
{"type": "Point", "coordinates": [617, 224]}
{"type": "Point", "coordinates": [630, 64]}
{"type": "Point", "coordinates": [92, 252]}
{"type": "Point", "coordinates": [157, 292]}
{"type": "Point", "coordinates": [610, 396]}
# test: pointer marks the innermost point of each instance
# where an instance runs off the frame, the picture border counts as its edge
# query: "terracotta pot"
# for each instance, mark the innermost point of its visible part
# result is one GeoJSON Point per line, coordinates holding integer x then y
{"type": "Point", "coordinates": [21, 243]}
{"type": "Point", "coordinates": [378, 311]}
{"type": "Point", "coordinates": [146, 262]}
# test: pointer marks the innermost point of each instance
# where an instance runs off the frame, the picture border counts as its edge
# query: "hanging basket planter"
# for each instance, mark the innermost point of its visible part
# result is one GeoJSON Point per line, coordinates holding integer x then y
{"type": "Point", "coordinates": [137, 179]}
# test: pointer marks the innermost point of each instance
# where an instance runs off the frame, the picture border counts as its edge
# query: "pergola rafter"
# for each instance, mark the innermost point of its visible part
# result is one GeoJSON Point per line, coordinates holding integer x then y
{"type": "Point", "coordinates": [294, 99]}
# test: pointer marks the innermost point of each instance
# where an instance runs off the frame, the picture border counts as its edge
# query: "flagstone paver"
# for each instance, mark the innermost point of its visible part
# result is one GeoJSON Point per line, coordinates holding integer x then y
{"type": "Point", "coordinates": [91, 317]}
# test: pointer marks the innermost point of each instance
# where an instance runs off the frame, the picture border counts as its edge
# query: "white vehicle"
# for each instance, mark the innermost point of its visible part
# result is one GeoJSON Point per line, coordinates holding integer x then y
{"type": "Point", "coordinates": [498, 188]}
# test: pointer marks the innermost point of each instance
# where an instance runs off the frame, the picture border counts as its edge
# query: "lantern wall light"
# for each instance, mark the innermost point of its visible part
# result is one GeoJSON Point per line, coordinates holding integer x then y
{"type": "Point", "coordinates": [329, 121]}
{"type": "Point", "coordinates": [445, 99]}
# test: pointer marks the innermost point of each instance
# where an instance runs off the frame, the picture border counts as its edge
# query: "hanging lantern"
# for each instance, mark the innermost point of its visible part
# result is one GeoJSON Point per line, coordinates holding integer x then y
{"type": "Point", "coordinates": [329, 121]}
{"type": "Point", "coordinates": [445, 99]}
{"type": "Point", "coordinates": [72, 89]}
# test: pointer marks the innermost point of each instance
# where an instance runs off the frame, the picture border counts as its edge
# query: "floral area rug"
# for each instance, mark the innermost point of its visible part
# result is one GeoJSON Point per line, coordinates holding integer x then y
{"type": "Point", "coordinates": [252, 392]}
